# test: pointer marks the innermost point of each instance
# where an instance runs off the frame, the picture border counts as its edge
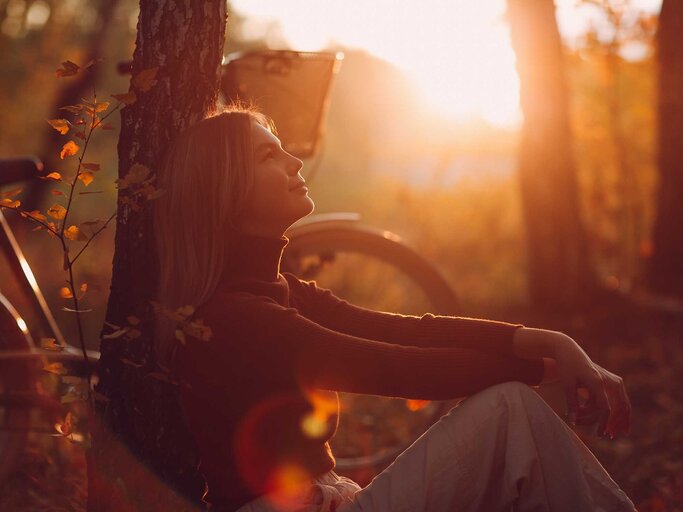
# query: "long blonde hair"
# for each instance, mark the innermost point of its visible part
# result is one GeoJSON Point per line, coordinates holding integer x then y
{"type": "Point", "coordinates": [206, 177]}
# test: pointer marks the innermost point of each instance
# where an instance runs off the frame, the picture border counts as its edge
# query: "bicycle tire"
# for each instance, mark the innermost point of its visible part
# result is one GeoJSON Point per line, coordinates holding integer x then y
{"type": "Point", "coordinates": [340, 236]}
{"type": "Point", "coordinates": [16, 376]}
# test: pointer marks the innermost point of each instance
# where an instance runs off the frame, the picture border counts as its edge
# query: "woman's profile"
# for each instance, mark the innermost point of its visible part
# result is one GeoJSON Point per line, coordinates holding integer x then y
{"type": "Point", "coordinates": [259, 396]}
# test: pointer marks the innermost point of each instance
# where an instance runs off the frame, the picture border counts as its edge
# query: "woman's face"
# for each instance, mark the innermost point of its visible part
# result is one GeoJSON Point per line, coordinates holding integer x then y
{"type": "Point", "coordinates": [277, 199]}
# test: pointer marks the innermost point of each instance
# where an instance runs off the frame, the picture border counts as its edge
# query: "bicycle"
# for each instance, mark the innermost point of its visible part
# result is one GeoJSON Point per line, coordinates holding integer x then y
{"type": "Point", "coordinates": [21, 361]}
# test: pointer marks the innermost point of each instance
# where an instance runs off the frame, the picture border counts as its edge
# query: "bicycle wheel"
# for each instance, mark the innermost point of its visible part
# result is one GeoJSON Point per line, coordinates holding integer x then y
{"type": "Point", "coordinates": [377, 270]}
{"type": "Point", "coordinates": [16, 376]}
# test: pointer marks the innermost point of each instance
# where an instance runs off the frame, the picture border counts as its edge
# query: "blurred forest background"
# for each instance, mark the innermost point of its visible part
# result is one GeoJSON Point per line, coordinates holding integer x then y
{"type": "Point", "coordinates": [599, 257]}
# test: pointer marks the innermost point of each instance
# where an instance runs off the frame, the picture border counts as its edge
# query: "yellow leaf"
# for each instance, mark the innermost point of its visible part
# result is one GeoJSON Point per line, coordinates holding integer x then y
{"type": "Point", "coordinates": [50, 344]}
{"type": "Point", "coordinates": [68, 69]}
{"type": "Point", "coordinates": [35, 214]}
{"type": "Point", "coordinates": [56, 368]}
{"type": "Point", "coordinates": [65, 293]}
{"type": "Point", "coordinates": [61, 125]}
{"type": "Point", "coordinates": [86, 177]}
{"type": "Point", "coordinates": [101, 107]}
{"type": "Point", "coordinates": [57, 211]}
{"type": "Point", "coordinates": [52, 176]}
{"type": "Point", "coordinates": [9, 203]}
{"type": "Point", "coordinates": [10, 193]}
{"type": "Point", "coordinates": [145, 79]}
{"type": "Point", "coordinates": [73, 233]}
{"type": "Point", "coordinates": [128, 98]}
{"type": "Point", "coordinates": [69, 149]}
{"type": "Point", "coordinates": [91, 166]}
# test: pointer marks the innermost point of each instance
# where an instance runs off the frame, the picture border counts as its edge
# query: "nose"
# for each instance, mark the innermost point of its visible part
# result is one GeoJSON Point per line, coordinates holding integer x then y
{"type": "Point", "coordinates": [294, 165]}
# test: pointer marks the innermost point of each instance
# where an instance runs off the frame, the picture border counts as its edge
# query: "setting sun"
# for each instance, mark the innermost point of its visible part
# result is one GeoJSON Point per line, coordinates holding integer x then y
{"type": "Point", "coordinates": [457, 53]}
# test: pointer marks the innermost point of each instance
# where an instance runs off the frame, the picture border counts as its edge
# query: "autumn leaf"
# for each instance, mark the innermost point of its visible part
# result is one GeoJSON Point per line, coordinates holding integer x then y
{"type": "Point", "coordinates": [35, 214]}
{"type": "Point", "coordinates": [61, 125]}
{"type": "Point", "coordinates": [56, 368]}
{"type": "Point", "coordinates": [51, 344]}
{"type": "Point", "coordinates": [9, 203]}
{"type": "Point", "coordinates": [55, 176]}
{"type": "Point", "coordinates": [69, 149]}
{"type": "Point", "coordinates": [128, 98]}
{"type": "Point", "coordinates": [101, 107]}
{"type": "Point", "coordinates": [73, 233]}
{"type": "Point", "coordinates": [68, 69]}
{"type": "Point", "coordinates": [84, 287]}
{"type": "Point", "coordinates": [91, 166]}
{"type": "Point", "coordinates": [56, 192]}
{"type": "Point", "coordinates": [75, 109]}
{"type": "Point", "coordinates": [145, 79]}
{"type": "Point", "coordinates": [64, 428]}
{"type": "Point", "coordinates": [10, 193]}
{"type": "Point", "coordinates": [57, 211]}
{"type": "Point", "coordinates": [86, 177]}
{"type": "Point", "coordinates": [65, 293]}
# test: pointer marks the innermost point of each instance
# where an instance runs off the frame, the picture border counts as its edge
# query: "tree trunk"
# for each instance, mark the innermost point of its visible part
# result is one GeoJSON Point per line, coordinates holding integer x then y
{"type": "Point", "coordinates": [558, 269]}
{"type": "Point", "coordinates": [666, 265]}
{"type": "Point", "coordinates": [184, 42]}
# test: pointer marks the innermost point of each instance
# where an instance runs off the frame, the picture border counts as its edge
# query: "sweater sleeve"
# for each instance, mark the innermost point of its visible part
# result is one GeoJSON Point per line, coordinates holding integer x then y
{"type": "Point", "coordinates": [285, 341]}
{"type": "Point", "coordinates": [428, 330]}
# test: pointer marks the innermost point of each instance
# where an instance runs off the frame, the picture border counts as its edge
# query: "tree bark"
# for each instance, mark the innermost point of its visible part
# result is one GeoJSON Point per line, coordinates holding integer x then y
{"type": "Point", "coordinates": [559, 273]}
{"type": "Point", "coordinates": [666, 264]}
{"type": "Point", "coordinates": [143, 427]}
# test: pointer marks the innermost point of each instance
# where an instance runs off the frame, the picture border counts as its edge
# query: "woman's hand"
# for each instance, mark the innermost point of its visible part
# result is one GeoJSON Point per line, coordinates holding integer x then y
{"type": "Point", "coordinates": [607, 399]}
{"type": "Point", "coordinates": [566, 362]}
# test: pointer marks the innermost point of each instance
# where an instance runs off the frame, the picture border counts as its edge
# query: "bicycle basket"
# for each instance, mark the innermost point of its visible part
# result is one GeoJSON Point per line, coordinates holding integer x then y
{"type": "Point", "coordinates": [291, 87]}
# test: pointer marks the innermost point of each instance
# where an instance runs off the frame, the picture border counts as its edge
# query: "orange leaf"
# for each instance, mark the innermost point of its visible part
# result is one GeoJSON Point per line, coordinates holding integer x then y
{"type": "Point", "coordinates": [73, 233]}
{"type": "Point", "coordinates": [128, 98]}
{"type": "Point", "coordinates": [9, 203]}
{"type": "Point", "coordinates": [56, 368]}
{"type": "Point", "coordinates": [35, 214]}
{"type": "Point", "coordinates": [101, 107]}
{"type": "Point", "coordinates": [91, 166]}
{"type": "Point", "coordinates": [10, 193]}
{"type": "Point", "coordinates": [57, 192]}
{"type": "Point", "coordinates": [86, 177]}
{"type": "Point", "coordinates": [57, 211]}
{"type": "Point", "coordinates": [68, 69]}
{"type": "Point", "coordinates": [52, 176]}
{"type": "Point", "coordinates": [69, 149]}
{"type": "Point", "coordinates": [145, 79]}
{"type": "Point", "coordinates": [50, 344]}
{"type": "Point", "coordinates": [65, 293]}
{"type": "Point", "coordinates": [61, 125]}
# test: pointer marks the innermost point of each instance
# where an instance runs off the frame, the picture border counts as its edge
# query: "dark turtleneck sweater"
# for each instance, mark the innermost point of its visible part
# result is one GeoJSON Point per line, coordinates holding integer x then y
{"type": "Point", "coordinates": [263, 404]}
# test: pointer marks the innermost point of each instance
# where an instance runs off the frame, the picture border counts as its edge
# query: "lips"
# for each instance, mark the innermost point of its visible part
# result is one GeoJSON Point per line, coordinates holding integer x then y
{"type": "Point", "coordinates": [297, 186]}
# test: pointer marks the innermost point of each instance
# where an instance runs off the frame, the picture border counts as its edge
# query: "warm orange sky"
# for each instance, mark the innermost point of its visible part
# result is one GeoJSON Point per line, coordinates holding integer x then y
{"type": "Point", "coordinates": [457, 51]}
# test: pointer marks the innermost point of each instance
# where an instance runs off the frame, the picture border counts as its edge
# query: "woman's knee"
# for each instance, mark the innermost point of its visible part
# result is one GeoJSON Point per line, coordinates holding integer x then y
{"type": "Point", "coordinates": [503, 397]}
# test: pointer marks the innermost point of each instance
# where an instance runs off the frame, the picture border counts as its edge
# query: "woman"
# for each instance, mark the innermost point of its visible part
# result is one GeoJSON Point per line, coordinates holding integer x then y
{"type": "Point", "coordinates": [260, 395]}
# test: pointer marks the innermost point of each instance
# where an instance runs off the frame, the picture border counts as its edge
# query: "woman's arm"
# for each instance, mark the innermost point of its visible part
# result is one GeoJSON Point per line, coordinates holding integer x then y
{"type": "Point", "coordinates": [258, 331]}
{"type": "Point", "coordinates": [437, 331]}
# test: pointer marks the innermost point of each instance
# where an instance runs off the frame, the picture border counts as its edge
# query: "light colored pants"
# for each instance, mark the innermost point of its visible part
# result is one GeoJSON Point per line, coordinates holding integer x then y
{"type": "Point", "coordinates": [500, 449]}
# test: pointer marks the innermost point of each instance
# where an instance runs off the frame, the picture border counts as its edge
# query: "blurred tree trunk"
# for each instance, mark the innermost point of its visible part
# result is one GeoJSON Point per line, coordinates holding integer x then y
{"type": "Point", "coordinates": [183, 42]}
{"type": "Point", "coordinates": [666, 265]}
{"type": "Point", "coordinates": [558, 269]}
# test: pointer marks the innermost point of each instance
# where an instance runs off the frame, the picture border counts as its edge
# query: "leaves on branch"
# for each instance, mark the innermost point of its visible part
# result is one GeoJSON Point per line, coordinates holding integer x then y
{"type": "Point", "coordinates": [68, 69]}
{"type": "Point", "coordinates": [61, 125]}
{"type": "Point", "coordinates": [69, 149]}
{"type": "Point", "coordinates": [57, 211]}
